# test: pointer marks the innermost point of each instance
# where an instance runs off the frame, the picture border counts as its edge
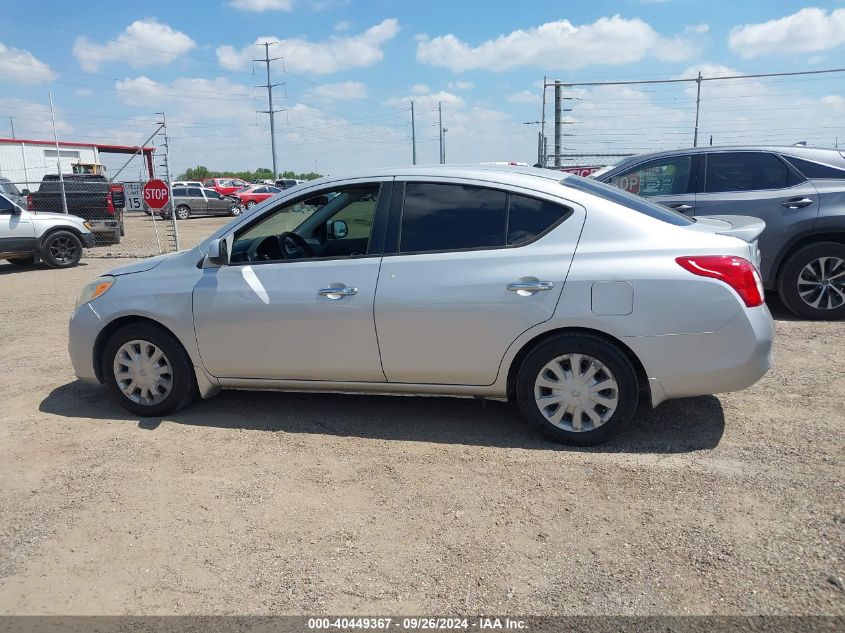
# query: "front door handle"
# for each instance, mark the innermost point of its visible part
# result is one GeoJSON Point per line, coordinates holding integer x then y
{"type": "Point", "coordinates": [683, 208]}
{"type": "Point", "coordinates": [531, 286]}
{"type": "Point", "coordinates": [797, 203]}
{"type": "Point", "coordinates": [337, 293]}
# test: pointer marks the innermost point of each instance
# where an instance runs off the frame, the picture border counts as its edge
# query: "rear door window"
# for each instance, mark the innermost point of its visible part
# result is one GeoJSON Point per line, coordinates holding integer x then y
{"type": "Point", "coordinates": [666, 176]}
{"type": "Point", "coordinates": [179, 192]}
{"type": "Point", "coordinates": [529, 218]}
{"type": "Point", "coordinates": [195, 192]}
{"type": "Point", "coordinates": [445, 217]}
{"type": "Point", "coordinates": [746, 171]}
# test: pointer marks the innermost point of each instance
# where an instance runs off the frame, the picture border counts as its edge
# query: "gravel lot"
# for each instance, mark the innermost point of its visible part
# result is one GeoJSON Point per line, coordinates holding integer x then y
{"type": "Point", "coordinates": [289, 503]}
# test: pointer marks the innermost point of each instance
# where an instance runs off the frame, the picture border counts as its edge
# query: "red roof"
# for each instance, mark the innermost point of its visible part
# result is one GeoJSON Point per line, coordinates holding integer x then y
{"type": "Point", "coordinates": [103, 147]}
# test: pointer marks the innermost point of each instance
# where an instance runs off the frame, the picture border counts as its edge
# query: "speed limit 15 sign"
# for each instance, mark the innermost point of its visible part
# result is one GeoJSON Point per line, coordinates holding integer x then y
{"type": "Point", "coordinates": [134, 197]}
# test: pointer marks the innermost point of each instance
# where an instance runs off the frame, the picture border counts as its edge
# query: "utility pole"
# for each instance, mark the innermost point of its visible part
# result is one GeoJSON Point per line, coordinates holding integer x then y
{"type": "Point", "coordinates": [166, 165]}
{"type": "Point", "coordinates": [440, 125]}
{"type": "Point", "coordinates": [413, 137]}
{"type": "Point", "coordinates": [58, 153]}
{"type": "Point", "coordinates": [12, 123]}
{"type": "Point", "coordinates": [558, 122]}
{"type": "Point", "coordinates": [542, 158]}
{"type": "Point", "coordinates": [697, 108]}
{"type": "Point", "coordinates": [267, 59]}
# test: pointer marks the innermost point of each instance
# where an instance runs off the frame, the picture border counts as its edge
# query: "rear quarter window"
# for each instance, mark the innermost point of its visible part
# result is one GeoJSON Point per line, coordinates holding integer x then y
{"type": "Point", "coordinates": [816, 171]}
{"type": "Point", "coordinates": [614, 194]}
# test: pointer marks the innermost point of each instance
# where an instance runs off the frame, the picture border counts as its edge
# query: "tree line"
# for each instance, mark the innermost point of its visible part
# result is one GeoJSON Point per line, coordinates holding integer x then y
{"type": "Point", "coordinates": [201, 172]}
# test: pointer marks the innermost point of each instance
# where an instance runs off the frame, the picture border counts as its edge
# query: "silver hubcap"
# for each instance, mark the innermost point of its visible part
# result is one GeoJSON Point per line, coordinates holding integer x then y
{"type": "Point", "coordinates": [576, 392]}
{"type": "Point", "coordinates": [821, 283]}
{"type": "Point", "coordinates": [143, 372]}
{"type": "Point", "coordinates": [182, 214]}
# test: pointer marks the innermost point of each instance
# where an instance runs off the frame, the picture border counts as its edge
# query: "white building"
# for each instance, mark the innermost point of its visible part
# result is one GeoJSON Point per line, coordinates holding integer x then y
{"type": "Point", "coordinates": [28, 161]}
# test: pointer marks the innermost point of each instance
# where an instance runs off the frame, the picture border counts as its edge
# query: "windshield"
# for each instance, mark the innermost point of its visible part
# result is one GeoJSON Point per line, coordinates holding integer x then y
{"type": "Point", "coordinates": [609, 192]}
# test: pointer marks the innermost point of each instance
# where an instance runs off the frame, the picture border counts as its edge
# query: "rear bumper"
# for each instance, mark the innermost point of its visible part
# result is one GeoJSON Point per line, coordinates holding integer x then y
{"type": "Point", "coordinates": [85, 325]}
{"type": "Point", "coordinates": [730, 359]}
{"type": "Point", "coordinates": [103, 226]}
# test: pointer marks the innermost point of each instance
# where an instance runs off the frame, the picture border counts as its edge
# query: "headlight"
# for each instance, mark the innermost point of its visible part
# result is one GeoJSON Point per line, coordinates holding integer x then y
{"type": "Point", "coordinates": [95, 289]}
{"type": "Point", "coordinates": [87, 225]}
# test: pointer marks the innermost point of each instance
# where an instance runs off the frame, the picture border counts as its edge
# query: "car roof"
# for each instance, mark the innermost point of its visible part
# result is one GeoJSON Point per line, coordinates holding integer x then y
{"type": "Point", "coordinates": [798, 151]}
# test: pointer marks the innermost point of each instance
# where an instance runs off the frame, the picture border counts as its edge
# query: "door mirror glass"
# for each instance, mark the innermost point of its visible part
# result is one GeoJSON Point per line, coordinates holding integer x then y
{"type": "Point", "coordinates": [338, 229]}
{"type": "Point", "coordinates": [218, 252]}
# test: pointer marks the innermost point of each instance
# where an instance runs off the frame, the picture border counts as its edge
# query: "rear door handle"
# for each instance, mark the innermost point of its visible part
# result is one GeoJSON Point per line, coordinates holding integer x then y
{"type": "Point", "coordinates": [797, 203]}
{"type": "Point", "coordinates": [337, 293]}
{"type": "Point", "coordinates": [531, 286]}
{"type": "Point", "coordinates": [683, 208]}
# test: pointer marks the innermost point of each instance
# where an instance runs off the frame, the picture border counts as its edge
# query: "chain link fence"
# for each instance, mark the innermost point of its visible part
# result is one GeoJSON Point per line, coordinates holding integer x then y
{"type": "Point", "coordinates": [122, 223]}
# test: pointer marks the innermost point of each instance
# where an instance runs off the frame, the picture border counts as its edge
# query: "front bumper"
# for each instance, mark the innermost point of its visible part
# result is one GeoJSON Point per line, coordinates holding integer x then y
{"type": "Point", "coordinates": [85, 325]}
{"type": "Point", "coordinates": [88, 240]}
{"type": "Point", "coordinates": [730, 359]}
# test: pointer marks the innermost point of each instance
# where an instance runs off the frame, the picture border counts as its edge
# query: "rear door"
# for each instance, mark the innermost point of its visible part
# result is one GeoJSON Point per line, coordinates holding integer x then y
{"type": "Point", "coordinates": [668, 180]}
{"type": "Point", "coordinates": [470, 268]}
{"type": "Point", "coordinates": [762, 185]}
{"type": "Point", "coordinates": [197, 201]}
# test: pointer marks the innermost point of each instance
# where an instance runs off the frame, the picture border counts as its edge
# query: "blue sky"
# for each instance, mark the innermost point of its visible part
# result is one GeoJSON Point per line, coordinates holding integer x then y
{"type": "Point", "coordinates": [352, 68]}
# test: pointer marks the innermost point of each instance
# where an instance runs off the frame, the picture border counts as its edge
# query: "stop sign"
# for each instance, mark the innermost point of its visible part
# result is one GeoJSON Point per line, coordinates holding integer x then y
{"type": "Point", "coordinates": [156, 193]}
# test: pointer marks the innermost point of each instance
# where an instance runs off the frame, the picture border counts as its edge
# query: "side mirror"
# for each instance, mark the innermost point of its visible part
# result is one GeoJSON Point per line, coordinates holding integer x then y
{"type": "Point", "coordinates": [218, 252]}
{"type": "Point", "coordinates": [26, 192]}
{"type": "Point", "coordinates": [338, 229]}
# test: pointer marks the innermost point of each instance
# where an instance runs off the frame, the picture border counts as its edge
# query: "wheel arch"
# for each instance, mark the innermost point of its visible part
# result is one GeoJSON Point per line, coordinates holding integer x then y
{"type": "Point", "coordinates": [54, 229]}
{"type": "Point", "coordinates": [643, 384]}
{"type": "Point", "coordinates": [793, 247]}
{"type": "Point", "coordinates": [112, 327]}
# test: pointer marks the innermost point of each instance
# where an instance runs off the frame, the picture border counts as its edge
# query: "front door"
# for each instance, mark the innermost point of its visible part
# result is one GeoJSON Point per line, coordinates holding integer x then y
{"type": "Point", "coordinates": [17, 233]}
{"type": "Point", "coordinates": [668, 180]}
{"type": "Point", "coordinates": [293, 304]}
{"type": "Point", "coordinates": [217, 204]}
{"type": "Point", "coordinates": [473, 269]}
{"type": "Point", "coordinates": [761, 185]}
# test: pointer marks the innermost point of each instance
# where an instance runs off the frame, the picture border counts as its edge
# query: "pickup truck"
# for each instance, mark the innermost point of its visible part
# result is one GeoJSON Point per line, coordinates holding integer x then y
{"type": "Point", "coordinates": [89, 196]}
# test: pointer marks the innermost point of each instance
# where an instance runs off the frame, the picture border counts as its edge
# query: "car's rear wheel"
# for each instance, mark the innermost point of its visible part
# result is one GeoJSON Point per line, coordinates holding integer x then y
{"type": "Point", "coordinates": [61, 249]}
{"type": "Point", "coordinates": [148, 370]}
{"type": "Point", "coordinates": [577, 389]}
{"type": "Point", "coordinates": [250, 204]}
{"type": "Point", "coordinates": [183, 212]}
{"type": "Point", "coordinates": [812, 284]}
{"type": "Point", "coordinates": [22, 261]}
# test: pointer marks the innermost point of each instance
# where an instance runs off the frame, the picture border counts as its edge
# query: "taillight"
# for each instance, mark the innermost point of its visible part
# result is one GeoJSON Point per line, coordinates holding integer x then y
{"type": "Point", "coordinates": [740, 274]}
{"type": "Point", "coordinates": [109, 204]}
{"type": "Point", "coordinates": [29, 206]}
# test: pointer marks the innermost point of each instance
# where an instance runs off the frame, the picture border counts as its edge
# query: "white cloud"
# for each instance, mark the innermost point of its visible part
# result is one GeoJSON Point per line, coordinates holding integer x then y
{"type": "Point", "coordinates": [524, 96]}
{"type": "Point", "coordinates": [258, 6]}
{"type": "Point", "coordinates": [420, 89]}
{"type": "Point", "coordinates": [697, 28]}
{"type": "Point", "coordinates": [325, 57]}
{"type": "Point", "coordinates": [22, 66]}
{"type": "Point", "coordinates": [342, 91]}
{"type": "Point", "coordinates": [558, 45]}
{"type": "Point", "coordinates": [460, 85]}
{"type": "Point", "coordinates": [429, 100]}
{"type": "Point", "coordinates": [146, 42]}
{"type": "Point", "coordinates": [809, 30]}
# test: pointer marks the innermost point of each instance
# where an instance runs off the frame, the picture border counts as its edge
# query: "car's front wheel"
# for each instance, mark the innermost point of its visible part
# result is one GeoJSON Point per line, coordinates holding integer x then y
{"type": "Point", "coordinates": [577, 389]}
{"type": "Point", "coordinates": [812, 283]}
{"type": "Point", "coordinates": [148, 370]}
{"type": "Point", "coordinates": [61, 249]}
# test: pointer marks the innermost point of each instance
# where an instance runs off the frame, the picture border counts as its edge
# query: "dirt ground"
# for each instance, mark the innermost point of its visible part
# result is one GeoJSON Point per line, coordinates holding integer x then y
{"type": "Point", "coordinates": [262, 503]}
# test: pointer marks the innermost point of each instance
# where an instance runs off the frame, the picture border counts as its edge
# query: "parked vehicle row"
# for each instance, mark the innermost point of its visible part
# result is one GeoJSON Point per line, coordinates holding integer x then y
{"type": "Point", "coordinates": [569, 295]}
{"type": "Point", "coordinates": [798, 191]}
{"type": "Point", "coordinates": [191, 201]}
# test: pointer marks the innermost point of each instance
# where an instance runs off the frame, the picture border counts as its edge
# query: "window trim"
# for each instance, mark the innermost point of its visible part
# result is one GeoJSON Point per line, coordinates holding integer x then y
{"type": "Point", "coordinates": [397, 210]}
{"type": "Point", "coordinates": [377, 235]}
{"type": "Point", "coordinates": [789, 168]}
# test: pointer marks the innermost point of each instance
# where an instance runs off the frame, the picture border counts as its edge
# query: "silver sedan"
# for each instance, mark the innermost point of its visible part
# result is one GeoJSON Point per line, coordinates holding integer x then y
{"type": "Point", "coordinates": [571, 296]}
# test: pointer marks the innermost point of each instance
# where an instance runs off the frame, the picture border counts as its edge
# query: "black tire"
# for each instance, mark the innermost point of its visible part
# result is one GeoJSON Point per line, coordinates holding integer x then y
{"type": "Point", "coordinates": [235, 210]}
{"type": "Point", "coordinates": [61, 249]}
{"type": "Point", "coordinates": [615, 363]}
{"type": "Point", "coordinates": [183, 212]}
{"type": "Point", "coordinates": [122, 227]}
{"type": "Point", "coordinates": [250, 204]}
{"type": "Point", "coordinates": [797, 265]}
{"type": "Point", "coordinates": [184, 388]}
{"type": "Point", "coordinates": [22, 261]}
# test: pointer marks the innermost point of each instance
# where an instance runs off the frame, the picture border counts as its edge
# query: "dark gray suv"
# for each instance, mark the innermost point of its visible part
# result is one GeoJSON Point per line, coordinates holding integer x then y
{"type": "Point", "coordinates": [798, 191]}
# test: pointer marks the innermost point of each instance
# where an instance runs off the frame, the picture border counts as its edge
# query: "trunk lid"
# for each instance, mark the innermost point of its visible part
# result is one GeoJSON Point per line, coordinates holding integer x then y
{"type": "Point", "coordinates": [744, 227]}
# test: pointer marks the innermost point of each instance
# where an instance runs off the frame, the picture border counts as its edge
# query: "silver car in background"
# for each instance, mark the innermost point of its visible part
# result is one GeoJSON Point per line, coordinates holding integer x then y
{"type": "Point", "coordinates": [571, 296]}
{"type": "Point", "coordinates": [798, 191]}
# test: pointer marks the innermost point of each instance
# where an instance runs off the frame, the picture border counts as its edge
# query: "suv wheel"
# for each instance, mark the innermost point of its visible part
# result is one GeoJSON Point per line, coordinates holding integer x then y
{"type": "Point", "coordinates": [812, 283]}
{"type": "Point", "coordinates": [183, 212]}
{"type": "Point", "coordinates": [577, 389]}
{"type": "Point", "coordinates": [148, 371]}
{"type": "Point", "coordinates": [61, 249]}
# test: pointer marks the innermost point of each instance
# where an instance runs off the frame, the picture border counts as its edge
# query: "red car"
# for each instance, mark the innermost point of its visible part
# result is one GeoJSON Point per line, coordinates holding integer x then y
{"type": "Point", "coordinates": [225, 186]}
{"type": "Point", "coordinates": [255, 194]}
